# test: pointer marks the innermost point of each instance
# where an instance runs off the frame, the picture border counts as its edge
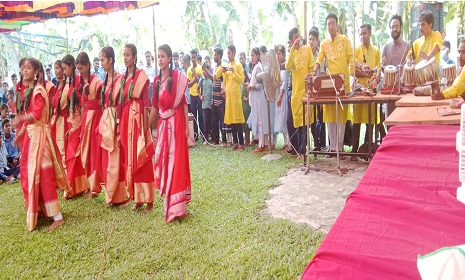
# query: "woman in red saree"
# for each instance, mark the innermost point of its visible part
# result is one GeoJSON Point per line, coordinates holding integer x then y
{"type": "Point", "coordinates": [136, 139]}
{"type": "Point", "coordinates": [76, 174]}
{"type": "Point", "coordinates": [91, 154]}
{"type": "Point", "coordinates": [169, 108]}
{"type": "Point", "coordinates": [58, 123]}
{"type": "Point", "coordinates": [41, 169]}
{"type": "Point", "coordinates": [112, 158]}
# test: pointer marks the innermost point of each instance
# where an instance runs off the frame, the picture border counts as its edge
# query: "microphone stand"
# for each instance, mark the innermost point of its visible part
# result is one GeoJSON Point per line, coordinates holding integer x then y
{"type": "Point", "coordinates": [308, 168]}
{"type": "Point", "coordinates": [341, 171]}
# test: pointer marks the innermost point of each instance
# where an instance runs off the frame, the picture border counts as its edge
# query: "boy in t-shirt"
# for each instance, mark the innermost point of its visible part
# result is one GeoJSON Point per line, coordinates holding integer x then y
{"type": "Point", "coordinates": [8, 173]}
{"type": "Point", "coordinates": [206, 94]}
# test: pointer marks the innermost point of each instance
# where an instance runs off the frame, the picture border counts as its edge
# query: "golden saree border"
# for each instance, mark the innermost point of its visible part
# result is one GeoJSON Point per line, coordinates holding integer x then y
{"type": "Point", "coordinates": [144, 192]}
{"type": "Point", "coordinates": [140, 83]}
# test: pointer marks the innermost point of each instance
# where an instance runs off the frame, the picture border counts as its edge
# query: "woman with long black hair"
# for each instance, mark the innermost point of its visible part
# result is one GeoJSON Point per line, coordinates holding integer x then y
{"type": "Point", "coordinates": [112, 157]}
{"type": "Point", "coordinates": [41, 168]}
{"type": "Point", "coordinates": [91, 154]}
{"type": "Point", "coordinates": [136, 138]}
{"type": "Point", "coordinates": [172, 169]}
{"type": "Point", "coordinates": [76, 173]}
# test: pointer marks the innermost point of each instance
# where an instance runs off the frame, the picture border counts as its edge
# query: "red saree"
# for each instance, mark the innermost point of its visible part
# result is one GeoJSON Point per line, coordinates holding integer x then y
{"type": "Point", "coordinates": [41, 169]}
{"type": "Point", "coordinates": [112, 158]}
{"type": "Point", "coordinates": [77, 176]}
{"type": "Point", "coordinates": [172, 171]}
{"type": "Point", "coordinates": [20, 90]}
{"type": "Point", "coordinates": [91, 153]}
{"type": "Point", "coordinates": [50, 89]}
{"type": "Point", "coordinates": [58, 123]}
{"type": "Point", "coordinates": [136, 143]}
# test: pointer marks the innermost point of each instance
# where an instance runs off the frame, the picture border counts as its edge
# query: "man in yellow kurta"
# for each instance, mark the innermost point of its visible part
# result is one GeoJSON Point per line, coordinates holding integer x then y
{"type": "Point", "coordinates": [429, 44]}
{"type": "Point", "coordinates": [300, 63]}
{"type": "Point", "coordinates": [193, 74]}
{"type": "Point", "coordinates": [368, 55]}
{"type": "Point", "coordinates": [458, 87]}
{"type": "Point", "coordinates": [338, 52]}
{"type": "Point", "coordinates": [233, 76]}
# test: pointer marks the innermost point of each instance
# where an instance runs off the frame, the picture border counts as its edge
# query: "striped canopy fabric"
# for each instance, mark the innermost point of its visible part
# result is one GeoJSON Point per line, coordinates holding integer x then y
{"type": "Point", "coordinates": [12, 12]}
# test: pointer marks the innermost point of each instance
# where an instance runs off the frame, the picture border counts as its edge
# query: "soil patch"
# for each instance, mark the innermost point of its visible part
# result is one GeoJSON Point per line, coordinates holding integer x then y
{"type": "Point", "coordinates": [317, 198]}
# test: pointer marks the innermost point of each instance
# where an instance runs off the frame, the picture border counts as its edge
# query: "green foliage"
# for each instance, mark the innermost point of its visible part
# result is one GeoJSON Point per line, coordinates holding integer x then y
{"type": "Point", "coordinates": [205, 29]}
{"type": "Point", "coordinates": [226, 235]}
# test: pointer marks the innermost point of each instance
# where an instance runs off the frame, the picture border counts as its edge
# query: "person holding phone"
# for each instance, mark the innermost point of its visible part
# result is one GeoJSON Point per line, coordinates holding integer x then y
{"type": "Point", "coordinates": [300, 63]}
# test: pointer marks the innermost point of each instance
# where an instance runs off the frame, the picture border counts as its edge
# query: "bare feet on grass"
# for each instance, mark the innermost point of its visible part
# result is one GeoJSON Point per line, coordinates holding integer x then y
{"type": "Point", "coordinates": [148, 208]}
{"type": "Point", "coordinates": [136, 206]}
{"type": "Point", "coordinates": [56, 224]}
{"type": "Point", "coordinates": [124, 204]}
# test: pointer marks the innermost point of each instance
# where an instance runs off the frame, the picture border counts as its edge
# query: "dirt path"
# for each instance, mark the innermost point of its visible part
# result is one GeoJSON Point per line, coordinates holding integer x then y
{"type": "Point", "coordinates": [315, 199]}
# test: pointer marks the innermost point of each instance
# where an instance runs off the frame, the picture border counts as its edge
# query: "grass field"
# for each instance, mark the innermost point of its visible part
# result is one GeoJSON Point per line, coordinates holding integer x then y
{"type": "Point", "coordinates": [225, 236]}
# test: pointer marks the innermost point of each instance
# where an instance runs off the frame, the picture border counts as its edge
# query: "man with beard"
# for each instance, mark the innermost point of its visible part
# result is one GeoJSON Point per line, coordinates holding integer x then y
{"type": "Point", "coordinates": [395, 51]}
{"type": "Point", "coordinates": [457, 89]}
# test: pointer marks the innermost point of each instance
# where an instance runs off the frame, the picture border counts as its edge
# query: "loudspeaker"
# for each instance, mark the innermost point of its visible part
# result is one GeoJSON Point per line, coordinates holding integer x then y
{"type": "Point", "coordinates": [438, 12]}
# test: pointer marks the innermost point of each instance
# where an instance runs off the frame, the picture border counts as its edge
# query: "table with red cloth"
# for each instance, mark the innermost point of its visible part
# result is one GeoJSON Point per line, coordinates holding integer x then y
{"type": "Point", "coordinates": [404, 206]}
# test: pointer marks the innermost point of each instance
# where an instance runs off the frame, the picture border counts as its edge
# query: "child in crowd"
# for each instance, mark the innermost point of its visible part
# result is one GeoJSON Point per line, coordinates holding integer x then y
{"type": "Point", "coordinates": [13, 154]}
{"type": "Point", "coordinates": [8, 173]}
{"type": "Point", "coordinates": [11, 101]}
{"type": "Point", "coordinates": [5, 113]}
{"type": "Point", "coordinates": [5, 88]}
{"type": "Point", "coordinates": [206, 95]}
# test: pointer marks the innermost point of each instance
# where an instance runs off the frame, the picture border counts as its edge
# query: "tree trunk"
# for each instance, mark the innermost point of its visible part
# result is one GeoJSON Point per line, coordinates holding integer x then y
{"type": "Point", "coordinates": [13, 56]}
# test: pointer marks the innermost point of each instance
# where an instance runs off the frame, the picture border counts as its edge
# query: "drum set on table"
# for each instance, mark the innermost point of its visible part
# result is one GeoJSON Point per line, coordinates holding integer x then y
{"type": "Point", "coordinates": [423, 73]}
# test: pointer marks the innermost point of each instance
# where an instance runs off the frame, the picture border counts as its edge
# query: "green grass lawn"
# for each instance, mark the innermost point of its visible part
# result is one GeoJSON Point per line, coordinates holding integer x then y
{"type": "Point", "coordinates": [226, 235]}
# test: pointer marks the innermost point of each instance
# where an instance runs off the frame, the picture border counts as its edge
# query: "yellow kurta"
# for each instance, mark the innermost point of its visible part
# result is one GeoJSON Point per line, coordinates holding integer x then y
{"type": "Point", "coordinates": [339, 55]}
{"type": "Point", "coordinates": [232, 80]}
{"type": "Point", "coordinates": [457, 88]}
{"type": "Point", "coordinates": [190, 76]}
{"type": "Point", "coordinates": [427, 44]}
{"type": "Point", "coordinates": [372, 56]}
{"type": "Point", "coordinates": [300, 62]}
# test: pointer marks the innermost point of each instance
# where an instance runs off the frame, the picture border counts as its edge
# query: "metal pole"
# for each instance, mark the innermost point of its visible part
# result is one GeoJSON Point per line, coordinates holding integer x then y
{"type": "Point", "coordinates": [67, 38]}
{"type": "Point", "coordinates": [269, 126]}
{"type": "Point", "coordinates": [154, 40]}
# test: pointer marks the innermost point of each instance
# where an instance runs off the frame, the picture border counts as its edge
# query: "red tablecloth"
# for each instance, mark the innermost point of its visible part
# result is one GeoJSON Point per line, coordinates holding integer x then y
{"type": "Point", "coordinates": [405, 205]}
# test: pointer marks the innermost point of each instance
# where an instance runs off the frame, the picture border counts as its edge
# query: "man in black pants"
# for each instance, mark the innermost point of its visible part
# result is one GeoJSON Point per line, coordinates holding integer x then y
{"type": "Point", "coordinates": [217, 99]}
{"type": "Point", "coordinates": [193, 74]}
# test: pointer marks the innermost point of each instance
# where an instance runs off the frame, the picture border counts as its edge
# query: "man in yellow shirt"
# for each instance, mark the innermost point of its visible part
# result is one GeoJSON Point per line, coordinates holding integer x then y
{"type": "Point", "coordinates": [338, 52]}
{"type": "Point", "coordinates": [429, 44]}
{"type": "Point", "coordinates": [193, 74]}
{"type": "Point", "coordinates": [300, 63]}
{"type": "Point", "coordinates": [370, 56]}
{"type": "Point", "coordinates": [233, 76]}
{"type": "Point", "coordinates": [458, 87]}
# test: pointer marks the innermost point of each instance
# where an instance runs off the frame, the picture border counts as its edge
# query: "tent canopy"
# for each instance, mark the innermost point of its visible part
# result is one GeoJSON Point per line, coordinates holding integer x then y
{"type": "Point", "coordinates": [15, 14]}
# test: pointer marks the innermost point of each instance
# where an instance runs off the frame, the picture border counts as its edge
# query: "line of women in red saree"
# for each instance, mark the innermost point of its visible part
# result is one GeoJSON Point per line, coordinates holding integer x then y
{"type": "Point", "coordinates": [99, 135]}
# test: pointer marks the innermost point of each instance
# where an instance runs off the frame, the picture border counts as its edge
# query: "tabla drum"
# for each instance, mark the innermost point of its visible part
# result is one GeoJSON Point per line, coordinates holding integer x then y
{"type": "Point", "coordinates": [389, 77]}
{"type": "Point", "coordinates": [450, 73]}
{"type": "Point", "coordinates": [426, 71]}
{"type": "Point", "coordinates": [408, 78]}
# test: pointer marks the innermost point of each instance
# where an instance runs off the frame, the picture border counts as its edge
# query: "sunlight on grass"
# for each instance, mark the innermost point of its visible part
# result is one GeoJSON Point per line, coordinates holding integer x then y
{"type": "Point", "coordinates": [225, 235]}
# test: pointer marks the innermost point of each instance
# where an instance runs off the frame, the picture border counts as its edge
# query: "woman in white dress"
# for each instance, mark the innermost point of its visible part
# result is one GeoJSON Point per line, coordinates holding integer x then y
{"type": "Point", "coordinates": [258, 119]}
{"type": "Point", "coordinates": [281, 111]}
